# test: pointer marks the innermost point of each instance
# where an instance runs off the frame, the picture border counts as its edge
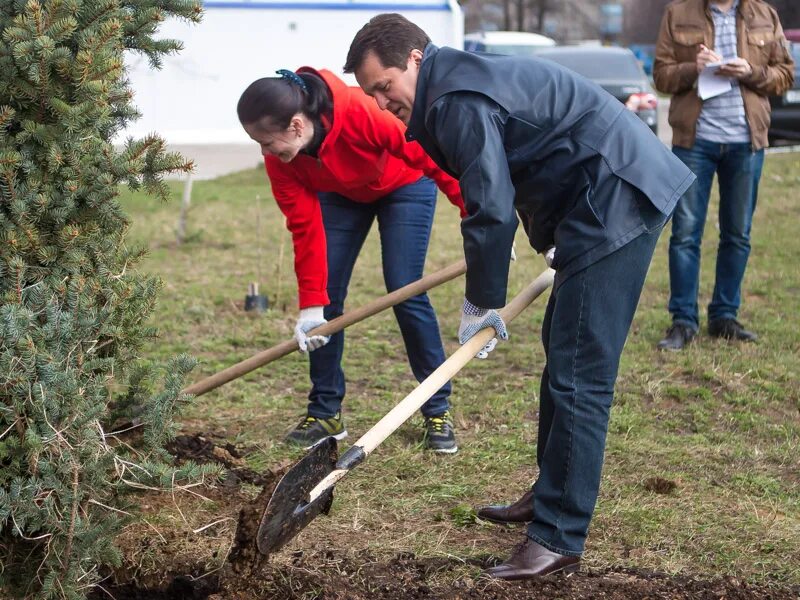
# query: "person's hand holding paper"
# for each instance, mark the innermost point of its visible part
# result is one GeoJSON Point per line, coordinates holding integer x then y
{"type": "Point", "coordinates": [706, 56]}
{"type": "Point", "coordinates": [716, 74]}
{"type": "Point", "coordinates": [738, 68]}
{"type": "Point", "coordinates": [710, 83]}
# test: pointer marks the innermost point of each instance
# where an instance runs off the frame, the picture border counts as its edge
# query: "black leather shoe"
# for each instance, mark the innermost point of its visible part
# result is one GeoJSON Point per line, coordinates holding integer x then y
{"type": "Point", "coordinates": [730, 329]}
{"type": "Point", "coordinates": [519, 512]}
{"type": "Point", "coordinates": [678, 336]}
{"type": "Point", "coordinates": [534, 560]}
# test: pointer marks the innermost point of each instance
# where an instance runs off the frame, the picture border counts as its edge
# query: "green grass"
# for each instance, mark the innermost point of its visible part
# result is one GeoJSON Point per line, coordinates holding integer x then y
{"type": "Point", "coordinates": [721, 421]}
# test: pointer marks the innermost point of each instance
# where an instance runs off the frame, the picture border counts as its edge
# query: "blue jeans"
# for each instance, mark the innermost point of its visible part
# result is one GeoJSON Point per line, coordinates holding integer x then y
{"type": "Point", "coordinates": [404, 218]}
{"type": "Point", "coordinates": [738, 169]}
{"type": "Point", "coordinates": [585, 326]}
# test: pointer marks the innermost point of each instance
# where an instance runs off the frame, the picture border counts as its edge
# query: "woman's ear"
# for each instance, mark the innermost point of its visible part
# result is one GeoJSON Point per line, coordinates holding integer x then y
{"type": "Point", "coordinates": [297, 125]}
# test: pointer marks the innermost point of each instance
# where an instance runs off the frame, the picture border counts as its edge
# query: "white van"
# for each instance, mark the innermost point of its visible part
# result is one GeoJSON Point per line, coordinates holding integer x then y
{"type": "Point", "coordinates": [517, 43]}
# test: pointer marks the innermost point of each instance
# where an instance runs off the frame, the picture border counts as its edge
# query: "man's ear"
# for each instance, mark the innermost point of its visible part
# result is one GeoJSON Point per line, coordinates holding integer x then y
{"type": "Point", "coordinates": [415, 56]}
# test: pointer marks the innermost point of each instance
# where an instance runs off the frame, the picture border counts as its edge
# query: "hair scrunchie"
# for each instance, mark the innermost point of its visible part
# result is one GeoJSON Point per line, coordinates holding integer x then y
{"type": "Point", "coordinates": [293, 77]}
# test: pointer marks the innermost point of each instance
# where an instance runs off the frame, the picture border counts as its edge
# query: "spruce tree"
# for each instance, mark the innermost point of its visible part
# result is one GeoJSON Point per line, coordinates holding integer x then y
{"type": "Point", "coordinates": [73, 308]}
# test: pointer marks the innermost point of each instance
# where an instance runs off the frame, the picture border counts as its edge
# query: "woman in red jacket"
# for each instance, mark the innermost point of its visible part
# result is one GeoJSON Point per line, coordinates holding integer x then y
{"type": "Point", "coordinates": [336, 163]}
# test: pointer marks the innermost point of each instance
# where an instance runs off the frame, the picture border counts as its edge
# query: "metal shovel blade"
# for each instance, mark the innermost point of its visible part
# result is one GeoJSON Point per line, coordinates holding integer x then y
{"type": "Point", "coordinates": [288, 513]}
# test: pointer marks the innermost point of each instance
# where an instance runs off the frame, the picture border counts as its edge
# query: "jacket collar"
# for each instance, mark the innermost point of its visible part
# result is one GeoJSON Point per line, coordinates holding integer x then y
{"type": "Point", "coordinates": [742, 4]}
{"type": "Point", "coordinates": [416, 124]}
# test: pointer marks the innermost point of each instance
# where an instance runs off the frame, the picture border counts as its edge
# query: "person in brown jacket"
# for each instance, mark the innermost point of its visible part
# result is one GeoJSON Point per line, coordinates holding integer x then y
{"type": "Point", "coordinates": [724, 133]}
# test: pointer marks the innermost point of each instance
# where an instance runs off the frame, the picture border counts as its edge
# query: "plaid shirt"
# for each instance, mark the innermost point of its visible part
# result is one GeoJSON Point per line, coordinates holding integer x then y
{"type": "Point", "coordinates": [722, 118]}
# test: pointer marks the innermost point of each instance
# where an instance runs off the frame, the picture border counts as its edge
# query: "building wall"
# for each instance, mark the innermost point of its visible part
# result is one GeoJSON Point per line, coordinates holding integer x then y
{"type": "Point", "coordinates": [192, 99]}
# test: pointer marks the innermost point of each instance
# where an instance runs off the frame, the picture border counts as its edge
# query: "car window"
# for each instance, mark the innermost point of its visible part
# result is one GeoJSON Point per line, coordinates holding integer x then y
{"type": "Point", "coordinates": [598, 65]}
{"type": "Point", "coordinates": [513, 49]}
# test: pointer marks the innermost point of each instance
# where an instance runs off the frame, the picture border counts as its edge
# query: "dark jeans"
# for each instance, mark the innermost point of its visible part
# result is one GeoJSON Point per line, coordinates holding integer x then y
{"type": "Point", "coordinates": [738, 169]}
{"type": "Point", "coordinates": [585, 326]}
{"type": "Point", "coordinates": [404, 223]}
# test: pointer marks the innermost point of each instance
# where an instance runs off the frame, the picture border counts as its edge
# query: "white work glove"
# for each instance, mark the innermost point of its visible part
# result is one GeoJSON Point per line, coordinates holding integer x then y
{"type": "Point", "coordinates": [473, 319]}
{"type": "Point", "coordinates": [309, 319]}
{"type": "Point", "coordinates": [549, 254]}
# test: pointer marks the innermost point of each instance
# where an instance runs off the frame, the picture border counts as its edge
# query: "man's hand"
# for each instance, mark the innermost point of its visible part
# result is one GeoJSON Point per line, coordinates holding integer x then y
{"type": "Point", "coordinates": [738, 68]}
{"type": "Point", "coordinates": [309, 319]}
{"type": "Point", "coordinates": [473, 319]}
{"type": "Point", "coordinates": [705, 56]}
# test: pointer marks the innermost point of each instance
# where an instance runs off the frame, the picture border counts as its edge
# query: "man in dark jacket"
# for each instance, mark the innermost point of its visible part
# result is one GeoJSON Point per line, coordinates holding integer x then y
{"type": "Point", "coordinates": [527, 137]}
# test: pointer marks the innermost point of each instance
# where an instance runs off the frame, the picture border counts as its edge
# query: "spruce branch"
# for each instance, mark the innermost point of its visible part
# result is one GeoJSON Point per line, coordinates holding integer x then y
{"type": "Point", "coordinates": [73, 307]}
{"type": "Point", "coordinates": [73, 517]}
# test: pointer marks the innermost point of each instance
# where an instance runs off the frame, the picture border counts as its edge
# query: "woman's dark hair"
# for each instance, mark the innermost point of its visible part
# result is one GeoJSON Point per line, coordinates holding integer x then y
{"type": "Point", "coordinates": [391, 37]}
{"type": "Point", "coordinates": [280, 99]}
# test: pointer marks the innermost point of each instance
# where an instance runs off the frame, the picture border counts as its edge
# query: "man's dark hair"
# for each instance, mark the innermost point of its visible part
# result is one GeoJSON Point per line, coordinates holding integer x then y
{"type": "Point", "coordinates": [391, 37]}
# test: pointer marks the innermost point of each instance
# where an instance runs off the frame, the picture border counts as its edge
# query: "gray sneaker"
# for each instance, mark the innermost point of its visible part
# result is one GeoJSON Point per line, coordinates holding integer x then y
{"type": "Point", "coordinates": [439, 433]}
{"type": "Point", "coordinates": [312, 430]}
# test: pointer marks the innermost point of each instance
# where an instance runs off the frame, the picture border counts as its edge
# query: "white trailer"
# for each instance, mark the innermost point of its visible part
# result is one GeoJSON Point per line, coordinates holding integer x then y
{"type": "Point", "coordinates": [192, 99]}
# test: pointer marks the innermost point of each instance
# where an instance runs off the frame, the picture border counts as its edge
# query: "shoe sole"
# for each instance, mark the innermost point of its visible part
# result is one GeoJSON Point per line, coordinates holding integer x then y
{"type": "Point", "coordinates": [337, 437]}
{"type": "Point", "coordinates": [727, 338]}
{"type": "Point", "coordinates": [565, 571]}
{"type": "Point", "coordinates": [499, 522]}
{"type": "Point", "coordinates": [445, 450]}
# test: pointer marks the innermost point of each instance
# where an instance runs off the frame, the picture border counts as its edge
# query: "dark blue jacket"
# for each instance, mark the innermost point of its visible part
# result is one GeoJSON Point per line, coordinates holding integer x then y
{"type": "Point", "coordinates": [529, 136]}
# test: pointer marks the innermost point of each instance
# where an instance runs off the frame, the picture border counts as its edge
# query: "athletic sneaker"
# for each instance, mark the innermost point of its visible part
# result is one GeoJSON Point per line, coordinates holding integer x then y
{"type": "Point", "coordinates": [439, 433]}
{"type": "Point", "coordinates": [312, 430]}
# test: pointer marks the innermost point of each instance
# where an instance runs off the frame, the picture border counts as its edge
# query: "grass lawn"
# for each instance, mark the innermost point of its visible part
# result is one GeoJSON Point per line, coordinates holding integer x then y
{"type": "Point", "coordinates": [719, 423]}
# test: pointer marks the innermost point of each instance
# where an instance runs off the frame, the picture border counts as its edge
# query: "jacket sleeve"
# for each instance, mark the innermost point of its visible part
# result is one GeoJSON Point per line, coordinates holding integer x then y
{"type": "Point", "coordinates": [669, 75]}
{"type": "Point", "coordinates": [777, 76]}
{"type": "Point", "coordinates": [468, 129]}
{"type": "Point", "coordinates": [303, 215]}
{"type": "Point", "coordinates": [387, 131]}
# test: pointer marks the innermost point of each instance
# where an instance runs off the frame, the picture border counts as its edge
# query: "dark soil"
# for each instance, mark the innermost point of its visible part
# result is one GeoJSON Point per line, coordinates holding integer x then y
{"type": "Point", "coordinates": [201, 448]}
{"type": "Point", "coordinates": [322, 574]}
{"type": "Point", "coordinates": [244, 556]}
{"type": "Point", "coordinates": [659, 485]}
{"type": "Point", "coordinates": [329, 576]}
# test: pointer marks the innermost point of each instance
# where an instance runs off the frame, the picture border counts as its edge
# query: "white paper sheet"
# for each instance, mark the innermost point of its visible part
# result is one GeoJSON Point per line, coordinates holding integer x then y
{"type": "Point", "coordinates": [710, 84]}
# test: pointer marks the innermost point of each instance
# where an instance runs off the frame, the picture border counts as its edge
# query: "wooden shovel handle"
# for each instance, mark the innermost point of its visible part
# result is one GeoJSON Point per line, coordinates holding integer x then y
{"type": "Point", "coordinates": [411, 403]}
{"type": "Point", "coordinates": [349, 318]}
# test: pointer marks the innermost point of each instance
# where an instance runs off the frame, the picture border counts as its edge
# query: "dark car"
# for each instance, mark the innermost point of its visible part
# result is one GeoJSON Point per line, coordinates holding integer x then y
{"type": "Point", "coordinates": [616, 70]}
{"type": "Point", "coordinates": [785, 122]}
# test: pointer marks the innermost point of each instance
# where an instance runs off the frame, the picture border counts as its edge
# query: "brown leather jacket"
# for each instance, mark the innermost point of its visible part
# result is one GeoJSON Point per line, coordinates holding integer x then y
{"type": "Point", "coordinates": [760, 40]}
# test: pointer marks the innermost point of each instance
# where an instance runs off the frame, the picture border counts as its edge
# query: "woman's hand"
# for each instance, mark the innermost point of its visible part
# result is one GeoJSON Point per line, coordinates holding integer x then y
{"type": "Point", "coordinates": [310, 318]}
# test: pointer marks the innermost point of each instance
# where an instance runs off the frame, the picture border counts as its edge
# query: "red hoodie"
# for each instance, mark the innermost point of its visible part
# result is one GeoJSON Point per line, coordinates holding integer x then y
{"type": "Point", "coordinates": [363, 157]}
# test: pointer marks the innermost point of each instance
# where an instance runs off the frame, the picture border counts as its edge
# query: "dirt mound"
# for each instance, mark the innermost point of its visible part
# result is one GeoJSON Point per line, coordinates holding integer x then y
{"type": "Point", "coordinates": [349, 574]}
{"type": "Point", "coordinates": [244, 556]}
{"type": "Point", "coordinates": [201, 448]}
{"type": "Point", "coordinates": [330, 576]}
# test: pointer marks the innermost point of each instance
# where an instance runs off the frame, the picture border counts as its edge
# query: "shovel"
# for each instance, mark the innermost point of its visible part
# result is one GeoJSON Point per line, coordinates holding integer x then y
{"type": "Point", "coordinates": [306, 490]}
{"type": "Point", "coordinates": [349, 318]}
